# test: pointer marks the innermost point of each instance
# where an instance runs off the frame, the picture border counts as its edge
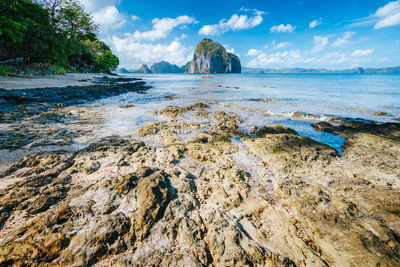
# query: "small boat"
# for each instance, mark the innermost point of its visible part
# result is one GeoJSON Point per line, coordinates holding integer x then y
{"type": "Point", "coordinates": [208, 76]}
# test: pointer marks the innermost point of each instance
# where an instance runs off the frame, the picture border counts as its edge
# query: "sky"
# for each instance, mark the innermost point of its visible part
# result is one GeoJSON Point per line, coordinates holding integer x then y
{"type": "Point", "coordinates": [336, 34]}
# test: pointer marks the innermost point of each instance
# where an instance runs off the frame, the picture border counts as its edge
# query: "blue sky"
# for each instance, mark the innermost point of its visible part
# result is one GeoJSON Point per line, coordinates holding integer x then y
{"type": "Point", "coordinates": [269, 34]}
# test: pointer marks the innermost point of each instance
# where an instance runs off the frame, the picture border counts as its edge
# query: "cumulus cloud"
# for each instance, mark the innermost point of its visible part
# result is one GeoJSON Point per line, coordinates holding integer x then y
{"type": "Point", "coordinates": [253, 52]}
{"type": "Point", "coordinates": [161, 28]}
{"type": "Point", "coordinates": [282, 45]}
{"type": "Point", "coordinates": [109, 18]}
{"type": "Point", "coordinates": [134, 18]}
{"type": "Point", "coordinates": [314, 23]}
{"type": "Point", "coordinates": [283, 28]}
{"type": "Point", "coordinates": [361, 53]}
{"type": "Point", "coordinates": [332, 58]}
{"type": "Point", "coordinates": [235, 23]}
{"type": "Point", "coordinates": [320, 43]}
{"type": "Point", "coordinates": [286, 57]}
{"type": "Point", "coordinates": [343, 40]}
{"type": "Point", "coordinates": [105, 13]}
{"type": "Point", "coordinates": [295, 58]}
{"type": "Point", "coordinates": [388, 15]}
{"type": "Point", "coordinates": [133, 53]}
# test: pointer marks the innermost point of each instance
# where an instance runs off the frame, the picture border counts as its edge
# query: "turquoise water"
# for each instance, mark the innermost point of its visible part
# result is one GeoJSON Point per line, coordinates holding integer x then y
{"type": "Point", "coordinates": [326, 95]}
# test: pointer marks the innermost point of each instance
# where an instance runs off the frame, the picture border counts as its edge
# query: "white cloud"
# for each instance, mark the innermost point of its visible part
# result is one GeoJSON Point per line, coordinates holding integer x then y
{"type": "Point", "coordinates": [314, 23]}
{"type": "Point", "coordinates": [332, 58]}
{"type": "Point", "coordinates": [388, 15]}
{"type": "Point", "coordinates": [161, 28]}
{"type": "Point", "coordinates": [361, 53]}
{"type": "Point", "coordinates": [319, 43]}
{"type": "Point", "coordinates": [287, 57]}
{"type": "Point", "coordinates": [109, 18]}
{"type": "Point", "coordinates": [282, 45]}
{"type": "Point", "coordinates": [283, 28]}
{"type": "Point", "coordinates": [133, 53]}
{"type": "Point", "coordinates": [134, 18]}
{"type": "Point", "coordinates": [343, 40]}
{"type": "Point", "coordinates": [294, 58]}
{"type": "Point", "coordinates": [253, 52]}
{"type": "Point", "coordinates": [235, 23]}
{"type": "Point", "coordinates": [229, 49]}
{"type": "Point", "coordinates": [384, 59]}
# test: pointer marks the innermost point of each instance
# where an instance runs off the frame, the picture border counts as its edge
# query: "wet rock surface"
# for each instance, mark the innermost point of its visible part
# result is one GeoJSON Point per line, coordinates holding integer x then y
{"type": "Point", "coordinates": [220, 197]}
{"type": "Point", "coordinates": [23, 103]}
{"type": "Point", "coordinates": [31, 118]}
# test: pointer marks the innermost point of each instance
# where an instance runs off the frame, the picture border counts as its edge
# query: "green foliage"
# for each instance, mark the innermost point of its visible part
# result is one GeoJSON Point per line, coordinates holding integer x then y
{"type": "Point", "coordinates": [5, 71]}
{"type": "Point", "coordinates": [60, 70]}
{"type": "Point", "coordinates": [59, 33]}
{"type": "Point", "coordinates": [210, 47]}
{"type": "Point", "coordinates": [107, 62]}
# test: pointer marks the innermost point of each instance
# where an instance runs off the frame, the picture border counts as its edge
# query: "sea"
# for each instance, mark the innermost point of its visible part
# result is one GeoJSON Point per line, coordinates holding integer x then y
{"type": "Point", "coordinates": [293, 100]}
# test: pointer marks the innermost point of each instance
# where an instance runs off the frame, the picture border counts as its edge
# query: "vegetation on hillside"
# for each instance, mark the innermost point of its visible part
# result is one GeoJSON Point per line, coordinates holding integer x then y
{"type": "Point", "coordinates": [52, 33]}
{"type": "Point", "coordinates": [214, 49]}
{"type": "Point", "coordinates": [210, 47]}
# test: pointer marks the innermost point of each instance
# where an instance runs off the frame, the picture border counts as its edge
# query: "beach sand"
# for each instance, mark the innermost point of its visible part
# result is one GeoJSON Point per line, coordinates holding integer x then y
{"type": "Point", "coordinates": [62, 80]}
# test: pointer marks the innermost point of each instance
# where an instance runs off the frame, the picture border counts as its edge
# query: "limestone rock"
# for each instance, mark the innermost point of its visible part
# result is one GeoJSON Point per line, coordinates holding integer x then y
{"type": "Point", "coordinates": [211, 57]}
{"type": "Point", "coordinates": [144, 69]}
{"type": "Point", "coordinates": [165, 67]}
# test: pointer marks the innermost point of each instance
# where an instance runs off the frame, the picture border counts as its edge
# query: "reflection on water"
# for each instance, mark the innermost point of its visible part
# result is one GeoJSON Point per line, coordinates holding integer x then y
{"type": "Point", "coordinates": [295, 97]}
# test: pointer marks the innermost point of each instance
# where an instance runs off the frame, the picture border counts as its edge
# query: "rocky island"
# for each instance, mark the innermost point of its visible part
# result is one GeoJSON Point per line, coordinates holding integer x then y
{"type": "Point", "coordinates": [212, 57]}
{"type": "Point", "coordinates": [144, 69]}
{"type": "Point", "coordinates": [165, 67]}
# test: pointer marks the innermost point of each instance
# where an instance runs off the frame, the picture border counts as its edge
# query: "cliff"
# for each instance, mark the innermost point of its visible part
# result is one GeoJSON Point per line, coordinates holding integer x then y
{"type": "Point", "coordinates": [144, 69]}
{"type": "Point", "coordinates": [212, 57]}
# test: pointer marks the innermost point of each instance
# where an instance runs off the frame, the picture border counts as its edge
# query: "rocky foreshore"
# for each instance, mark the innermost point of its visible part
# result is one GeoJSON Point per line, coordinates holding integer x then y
{"type": "Point", "coordinates": [220, 197]}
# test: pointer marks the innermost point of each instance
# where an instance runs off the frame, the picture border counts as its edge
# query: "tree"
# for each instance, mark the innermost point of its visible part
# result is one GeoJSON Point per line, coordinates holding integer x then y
{"type": "Point", "coordinates": [75, 21]}
{"type": "Point", "coordinates": [52, 32]}
{"type": "Point", "coordinates": [107, 62]}
{"type": "Point", "coordinates": [24, 30]}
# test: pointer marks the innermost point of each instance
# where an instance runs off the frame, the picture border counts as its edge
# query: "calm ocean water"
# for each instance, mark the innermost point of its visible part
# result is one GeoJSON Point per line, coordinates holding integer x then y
{"type": "Point", "coordinates": [340, 95]}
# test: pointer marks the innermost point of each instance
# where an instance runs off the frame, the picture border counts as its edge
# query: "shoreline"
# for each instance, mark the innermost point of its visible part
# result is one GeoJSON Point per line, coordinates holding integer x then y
{"type": "Point", "coordinates": [56, 80]}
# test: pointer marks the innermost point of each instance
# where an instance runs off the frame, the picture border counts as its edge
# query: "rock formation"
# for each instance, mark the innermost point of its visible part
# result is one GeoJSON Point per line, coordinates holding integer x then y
{"type": "Point", "coordinates": [144, 69]}
{"type": "Point", "coordinates": [165, 67]}
{"type": "Point", "coordinates": [211, 57]}
{"type": "Point", "coordinates": [193, 202]}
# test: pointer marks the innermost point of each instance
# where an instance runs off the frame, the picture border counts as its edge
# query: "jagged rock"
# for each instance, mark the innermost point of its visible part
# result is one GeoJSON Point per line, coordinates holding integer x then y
{"type": "Point", "coordinates": [211, 57]}
{"type": "Point", "coordinates": [144, 69]}
{"type": "Point", "coordinates": [291, 201]}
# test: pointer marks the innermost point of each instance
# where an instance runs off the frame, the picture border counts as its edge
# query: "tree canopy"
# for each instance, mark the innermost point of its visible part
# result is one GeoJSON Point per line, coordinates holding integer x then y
{"type": "Point", "coordinates": [52, 32]}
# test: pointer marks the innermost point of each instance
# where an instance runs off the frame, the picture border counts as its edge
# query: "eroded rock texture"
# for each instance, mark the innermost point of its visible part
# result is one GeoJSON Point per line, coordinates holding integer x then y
{"type": "Point", "coordinates": [273, 198]}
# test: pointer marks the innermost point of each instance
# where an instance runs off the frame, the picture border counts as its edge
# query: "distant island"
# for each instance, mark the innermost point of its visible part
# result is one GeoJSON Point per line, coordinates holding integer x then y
{"type": "Point", "coordinates": [208, 57]}
{"type": "Point", "coordinates": [359, 70]}
{"type": "Point", "coordinates": [212, 57]}
{"type": "Point", "coordinates": [183, 69]}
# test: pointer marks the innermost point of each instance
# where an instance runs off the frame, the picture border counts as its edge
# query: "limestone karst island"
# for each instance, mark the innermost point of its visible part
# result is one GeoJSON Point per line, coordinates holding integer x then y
{"type": "Point", "coordinates": [226, 133]}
